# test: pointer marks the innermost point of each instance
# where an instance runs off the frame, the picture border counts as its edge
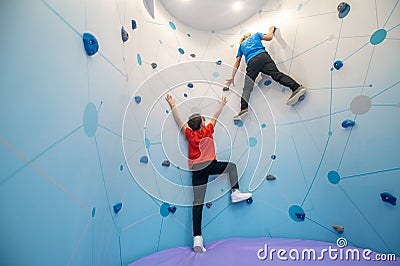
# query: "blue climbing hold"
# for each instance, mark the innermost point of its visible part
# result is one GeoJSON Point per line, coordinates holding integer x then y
{"type": "Point", "coordinates": [338, 64]}
{"type": "Point", "coordinates": [117, 207]}
{"type": "Point", "coordinates": [334, 177]}
{"type": "Point", "coordinates": [144, 159]}
{"type": "Point", "coordinates": [219, 62]}
{"type": "Point", "coordinates": [181, 51]}
{"type": "Point", "coordinates": [121, 167]}
{"type": "Point", "coordinates": [185, 95]}
{"type": "Point", "coordinates": [138, 99]}
{"type": "Point", "coordinates": [387, 197]}
{"type": "Point", "coordinates": [139, 59]}
{"type": "Point", "coordinates": [378, 36]}
{"type": "Point", "coordinates": [238, 123]}
{"type": "Point", "coordinates": [134, 25]}
{"type": "Point", "coordinates": [273, 156]}
{"type": "Point", "coordinates": [164, 209]}
{"type": "Point", "coordinates": [348, 123]}
{"type": "Point", "coordinates": [267, 82]}
{"type": "Point", "coordinates": [172, 209]}
{"type": "Point", "coordinates": [190, 85]}
{"type": "Point", "coordinates": [124, 34]}
{"type": "Point", "coordinates": [90, 43]}
{"type": "Point", "coordinates": [344, 9]}
{"type": "Point", "coordinates": [165, 163]}
{"type": "Point", "coordinates": [93, 211]}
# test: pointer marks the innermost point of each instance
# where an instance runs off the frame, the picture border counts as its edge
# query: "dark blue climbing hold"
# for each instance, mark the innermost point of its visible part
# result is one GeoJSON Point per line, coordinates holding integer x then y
{"type": "Point", "coordinates": [387, 197]}
{"type": "Point", "coordinates": [301, 216]}
{"type": "Point", "coordinates": [208, 204]}
{"type": "Point", "coordinates": [172, 209]}
{"type": "Point", "coordinates": [189, 35]}
{"type": "Point", "coordinates": [134, 25]}
{"type": "Point", "coordinates": [144, 159]}
{"type": "Point", "coordinates": [165, 163]}
{"type": "Point", "coordinates": [121, 167]}
{"type": "Point", "coordinates": [193, 55]}
{"type": "Point", "coordinates": [219, 62]}
{"type": "Point", "coordinates": [185, 95]}
{"type": "Point", "coordinates": [267, 82]}
{"type": "Point", "coordinates": [343, 8]}
{"type": "Point", "coordinates": [249, 200]}
{"type": "Point", "coordinates": [90, 43]}
{"type": "Point", "coordinates": [154, 65]}
{"type": "Point", "coordinates": [138, 99]}
{"type": "Point", "coordinates": [124, 34]}
{"type": "Point", "coordinates": [225, 89]}
{"type": "Point", "coordinates": [190, 85]}
{"type": "Point", "coordinates": [181, 51]}
{"type": "Point", "coordinates": [273, 156]}
{"type": "Point", "coordinates": [338, 64]}
{"type": "Point", "coordinates": [270, 177]}
{"type": "Point", "coordinates": [348, 123]}
{"type": "Point", "coordinates": [93, 211]}
{"type": "Point", "coordinates": [117, 207]}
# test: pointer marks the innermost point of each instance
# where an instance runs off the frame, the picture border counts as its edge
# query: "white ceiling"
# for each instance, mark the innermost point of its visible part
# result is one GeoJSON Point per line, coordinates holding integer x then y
{"type": "Point", "coordinates": [212, 14]}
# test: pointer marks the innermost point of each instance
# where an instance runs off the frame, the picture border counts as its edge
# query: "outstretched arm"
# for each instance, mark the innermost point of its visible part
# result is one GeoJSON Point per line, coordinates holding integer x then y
{"type": "Point", "coordinates": [234, 70]}
{"type": "Point", "coordinates": [270, 35]}
{"type": "Point", "coordinates": [221, 105]}
{"type": "Point", "coordinates": [175, 114]}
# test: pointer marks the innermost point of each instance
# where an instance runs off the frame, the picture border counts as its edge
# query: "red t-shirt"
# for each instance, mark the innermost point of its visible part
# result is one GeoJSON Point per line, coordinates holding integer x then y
{"type": "Point", "coordinates": [201, 145]}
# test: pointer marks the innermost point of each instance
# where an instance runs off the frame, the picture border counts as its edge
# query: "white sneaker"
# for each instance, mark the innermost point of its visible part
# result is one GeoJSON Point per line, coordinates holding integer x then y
{"type": "Point", "coordinates": [294, 98]}
{"type": "Point", "coordinates": [198, 244]}
{"type": "Point", "coordinates": [237, 196]}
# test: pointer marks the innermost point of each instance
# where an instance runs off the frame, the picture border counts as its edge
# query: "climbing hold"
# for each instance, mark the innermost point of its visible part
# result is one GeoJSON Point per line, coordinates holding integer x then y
{"type": "Point", "coordinates": [267, 82]}
{"type": "Point", "coordinates": [338, 64]}
{"type": "Point", "coordinates": [343, 8]}
{"type": "Point", "coordinates": [90, 43]}
{"type": "Point", "coordinates": [219, 62]}
{"type": "Point", "coordinates": [271, 177]}
{"type": "Point", "coordinates": [138, 99]}
{"type": "Point", "coordinates": [190, 85]}
{"type": "Point", "coordinates": [338, 228]}
{"type": "Point", "coordinates": [124, 34]}
{"type": "Point", "coordinates": [144, 159]}
{"type": "Point", "coordinates": [193, 55]}
{"type": "Point", "coordinates": [185, 95]}
{"type": "Point", "coordinates": [117, 207]}
{"type": "Point", "coordinates": [225, 89]}
{"type": "Point", "coordinates": [249, 200]}
{"type": "Point", "coordinates": [172, 209]}
{"type": "Point", "coordinates": [93, 211]}
{"type": "Point", "coordinates": [348, 123]}
{"type": "Point", "coordinates": [165, 163]}
{"type": "Point", "coordinates": [301, 216]}
{"type": "Point", "coordinates": [181, 51]}
{"type": "Point", "coordinates": [238, 123]}
{"type": "Point", "coordinates": [208, 204]}
{"type": "Point", "coordinates": [154, 65]}
{"type": "Point", "coordinates": [387, 197]}
{"type": "Point", "coordinates": [273, 156]}
{"type": "Point", "coordinates": [134, 26]}
{"type": "Point", "coordinates": [121, 167]}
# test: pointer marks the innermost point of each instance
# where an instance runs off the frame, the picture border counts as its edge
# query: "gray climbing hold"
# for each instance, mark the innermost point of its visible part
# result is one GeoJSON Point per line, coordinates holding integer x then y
{"type": "Point", "coordinates": [154, 65]}
{"type": "Point", "coordinates": [124, 34]}
{"type": "Point", "coordinates": [338, 228]}
{"type": "Point", "coordinates": [193, 55]}
{"type": "Point", "coordinates": [165, 163]}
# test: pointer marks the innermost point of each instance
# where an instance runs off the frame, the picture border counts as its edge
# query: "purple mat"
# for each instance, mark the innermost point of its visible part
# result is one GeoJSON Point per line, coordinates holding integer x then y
{"type": "Point", "coordinates": [269, 251]}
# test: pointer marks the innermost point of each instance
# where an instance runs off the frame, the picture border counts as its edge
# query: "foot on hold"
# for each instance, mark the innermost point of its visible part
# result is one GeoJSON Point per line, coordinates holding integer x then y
{"type": "Point", "coordinates": [242, 114]}
{"type": "Point", "coordinates": [294, 98]}
{"type": "Point", "coordinates": [198, 244]}
{"type": "Point", "coordinates": [237, 196]}
{"type": "Point", "coordinates": [338, 228]}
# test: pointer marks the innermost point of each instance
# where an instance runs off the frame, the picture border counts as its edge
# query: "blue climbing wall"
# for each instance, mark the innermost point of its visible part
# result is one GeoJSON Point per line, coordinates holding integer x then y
{"type": "Point", "coordinates": [81, 134]}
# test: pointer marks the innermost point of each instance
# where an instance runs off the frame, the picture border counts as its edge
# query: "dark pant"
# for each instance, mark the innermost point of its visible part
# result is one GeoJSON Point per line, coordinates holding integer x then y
{"type": "Point", "coordinates": [201, 172]}
{"type": "Point", "coordinates": [263, 63]}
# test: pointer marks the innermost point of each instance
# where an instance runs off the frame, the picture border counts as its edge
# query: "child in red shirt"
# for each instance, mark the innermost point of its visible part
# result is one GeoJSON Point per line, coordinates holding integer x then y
{"type": "Point", "coordinates": [203, 162]}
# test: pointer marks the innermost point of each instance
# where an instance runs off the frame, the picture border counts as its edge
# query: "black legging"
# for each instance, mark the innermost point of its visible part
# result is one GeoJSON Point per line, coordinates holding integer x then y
{"type": "Point", "coordinates": [263, 63]}
{"type": "Point", "coordinates": [199, 181]}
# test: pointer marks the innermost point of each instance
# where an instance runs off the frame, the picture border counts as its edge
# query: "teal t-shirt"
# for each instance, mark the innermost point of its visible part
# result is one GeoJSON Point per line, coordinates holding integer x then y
{"type": "Point", "coordinates": [251, 47]}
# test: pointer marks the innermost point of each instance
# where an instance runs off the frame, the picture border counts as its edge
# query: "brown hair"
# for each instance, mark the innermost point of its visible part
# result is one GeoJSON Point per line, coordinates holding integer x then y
{"type": "Point", "coordinates": [195, 121]}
